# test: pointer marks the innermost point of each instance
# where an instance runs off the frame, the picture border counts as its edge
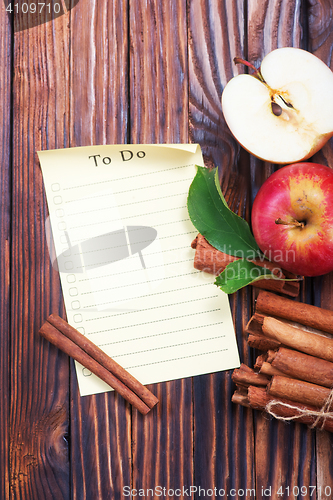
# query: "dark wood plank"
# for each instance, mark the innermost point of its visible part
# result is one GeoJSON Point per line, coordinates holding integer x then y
{"type": "Point", "coordinates": [158, 72]}
{"type": "Point", "coordinates": [5, 257]}
{"type": "Point", "coordinates": [320, 42]}
{"type": "Point", "coordinates": [162, 441]}
{"type": "Point", "coordinates": [285, 453]}
{"type": "Point", "coordinates": [216, 36]}
{"type": "Point", "coordinates": [100, 424]}
{"type": "Point", "coordinates": [320, 29]}
{"type": "Point", "coordinates": [99, 73]}
{"type": "Point", "coordinates": [223, 432]}
{"type": "Point", "coordinates": [324, 441]}
{"type": "Point", "coordinates": [39, 374]}
{"type": "Point", "coordinates": [138, 72]}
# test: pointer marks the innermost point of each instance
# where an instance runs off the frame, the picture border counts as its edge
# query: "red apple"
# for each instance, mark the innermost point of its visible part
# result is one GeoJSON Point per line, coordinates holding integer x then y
{"type": "Point", "coordinates": [292, 218]}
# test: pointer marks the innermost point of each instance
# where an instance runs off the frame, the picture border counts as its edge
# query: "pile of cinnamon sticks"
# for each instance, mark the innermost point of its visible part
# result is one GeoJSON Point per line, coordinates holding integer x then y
{"type": "Point", "coordinates": [293, 378]}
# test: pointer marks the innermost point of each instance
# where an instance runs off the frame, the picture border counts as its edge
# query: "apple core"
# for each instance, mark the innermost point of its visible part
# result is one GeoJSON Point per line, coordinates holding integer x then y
{"type": "Point", "coordinates": [282, 102]}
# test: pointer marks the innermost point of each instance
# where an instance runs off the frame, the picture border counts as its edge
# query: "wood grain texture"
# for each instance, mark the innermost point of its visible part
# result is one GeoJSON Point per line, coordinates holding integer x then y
{"type": "Point", "coordinates": [320, 41]}
{"type": "Point", "coordinates": [158, 72]}
{"type": "Point", "coordinates": [5, 258]}
{"type": "Point", "coordinates": [279, 24]}
{"type": "Point", "coordinates": [216, 36]}
{"type": "Point", "coordinates": [223, 433]}
{"type": "Point", "coordinates": [162, 441]}
{"type": "Point", "coordinates": [99, 109]}
{"type": "Point", "coordinates": [129, 71]}
{"type": "Point", "coordinates": [99, 73]}
{"type": "Point", "coordinates": [320, 29]}
{"type": "Point", "coordinates": [324, 441]}
{"type": "Point", "coordinates": [273, 24]}
{"type": "Point", "coordinates": [39, 374]}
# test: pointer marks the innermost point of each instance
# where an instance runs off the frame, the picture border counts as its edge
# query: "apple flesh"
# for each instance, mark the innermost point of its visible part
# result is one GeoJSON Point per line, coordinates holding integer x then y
{"type": "Point", "coordinates": [292, 218]}
{"type": "Point", "coordinates": [283, 113]}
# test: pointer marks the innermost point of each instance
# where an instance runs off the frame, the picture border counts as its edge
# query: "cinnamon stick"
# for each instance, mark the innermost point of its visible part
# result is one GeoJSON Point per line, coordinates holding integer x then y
{"type": "Point", "coordinates": [255, 324]}
{"type": "Point", "coordinates": [270, 355]}
{"type": "Point", "coordinates": [269, 370]}
{"type": "Point", "coordinates": [256, 339]}
{"type": "Point", "coordinates": [258, 399]}
{"type": "Point", "coordinates": [298, 390]}
{"type": "Point", "coordinates": [282, 307]}
{"type": "Point", "coordinates": [240, 398]}
{"type": "Point", "coordinates": [261, 342]}
{"type": "Point", "coordinates": [213, 261]}
{"type": "Point", "coordinates": [259, 361]}
{"type": "Point", "coordinates": [284, 409]}
{"type": "Point", "coordinates": [298, 362]}
{"type": "Point", "coordinates": [281, 408]}
{"type": "Point", "coordinates": [245, 376]}
{"type": "Point", "coordinates": [303, 366]}
{"type": "Point", "coordinates": [65, 337]}
{"type": "Point", "coordinates": [308, 342]}
{"type": "Point", "coordinates": [263, 365]}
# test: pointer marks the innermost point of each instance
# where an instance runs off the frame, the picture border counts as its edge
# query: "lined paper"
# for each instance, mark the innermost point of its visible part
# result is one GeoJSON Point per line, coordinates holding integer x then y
{"type": "Point", "coordinates": [122, 237]}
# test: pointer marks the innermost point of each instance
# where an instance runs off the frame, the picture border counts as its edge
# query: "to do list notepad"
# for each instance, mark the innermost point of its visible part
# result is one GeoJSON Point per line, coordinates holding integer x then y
{"type": "Point", "coordinates": [122, 237]}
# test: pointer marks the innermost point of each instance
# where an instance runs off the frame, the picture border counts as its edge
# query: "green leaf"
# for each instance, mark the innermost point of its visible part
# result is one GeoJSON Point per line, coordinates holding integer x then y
{"type": "Point", "coordinates": [240, 273]}
{"type": "Point", "coordinates": [211, 216]}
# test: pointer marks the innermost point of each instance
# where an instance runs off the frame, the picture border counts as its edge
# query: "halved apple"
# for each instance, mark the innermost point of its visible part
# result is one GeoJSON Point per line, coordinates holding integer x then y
{"type": "Point", "coordinates": [283, 113]}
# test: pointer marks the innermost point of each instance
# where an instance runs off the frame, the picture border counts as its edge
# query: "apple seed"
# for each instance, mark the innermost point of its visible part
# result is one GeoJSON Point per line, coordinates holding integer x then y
{"type": "Point", "coordinates": [276, 108]}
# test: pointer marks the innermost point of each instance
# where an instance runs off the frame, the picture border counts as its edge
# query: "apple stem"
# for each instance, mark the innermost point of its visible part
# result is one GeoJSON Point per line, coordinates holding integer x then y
{"type": "Point", "coordinates": [239, 60]}
{"type": "Point", "coordinates": [293, 222]}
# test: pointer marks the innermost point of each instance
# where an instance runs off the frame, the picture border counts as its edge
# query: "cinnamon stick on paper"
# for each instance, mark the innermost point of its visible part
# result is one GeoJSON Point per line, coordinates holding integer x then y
{"type": "Point", "coordinates": [65, 337]}
{"type": "Point", "coordinates": [270, 304]}
{"type": "Point", "coordinates": [210, 260]}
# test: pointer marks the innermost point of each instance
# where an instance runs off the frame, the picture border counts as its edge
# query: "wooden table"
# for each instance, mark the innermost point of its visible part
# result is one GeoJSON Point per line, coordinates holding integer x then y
{"type": "Point", "coordinates": [137, 71]}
